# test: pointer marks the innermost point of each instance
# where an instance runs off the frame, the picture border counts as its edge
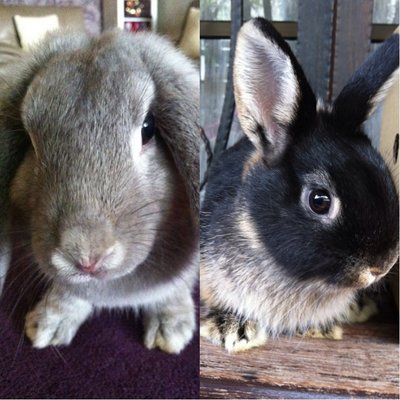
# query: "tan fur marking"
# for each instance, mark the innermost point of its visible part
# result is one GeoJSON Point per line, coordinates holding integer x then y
{"type": "Point", "coordinates": [254, 160]}
{"type": "Point", "coordinates": [206, 293]}
{"type": "Point", "coordinates": [248, 230]}
{"type": "Point", "coordinates": [365, 278]}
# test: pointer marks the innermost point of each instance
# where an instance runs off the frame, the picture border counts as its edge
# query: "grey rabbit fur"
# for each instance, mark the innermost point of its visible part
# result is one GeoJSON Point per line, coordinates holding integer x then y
{"type": "Point", "coordinates": [99, 164]}
{"type": "Point", "coordinates": [301, 214]}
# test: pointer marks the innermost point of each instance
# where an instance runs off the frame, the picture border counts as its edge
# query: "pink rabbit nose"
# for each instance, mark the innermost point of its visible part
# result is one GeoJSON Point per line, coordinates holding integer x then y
{"type": "Point", "coordinates": [90, 266]}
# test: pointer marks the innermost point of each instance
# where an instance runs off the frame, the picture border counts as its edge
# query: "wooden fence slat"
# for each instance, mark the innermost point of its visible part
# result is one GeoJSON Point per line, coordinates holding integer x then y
{"type": "Point", "coordinates": [352, 39]}
{"type": "Point", "coordinates": [314, 50]}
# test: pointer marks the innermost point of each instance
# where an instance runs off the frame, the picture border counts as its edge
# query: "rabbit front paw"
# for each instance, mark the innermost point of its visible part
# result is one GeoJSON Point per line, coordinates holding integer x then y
{"type": "Point", "coordinates": [52, 323]}
{"type": "Point", "coordinates": [333, 332]}
{"type": "Point", "coordinates": [170, 326]}
{"type": "Point", "coordinates": [362, 309]}
{"type": "Point", "coordinates": [232, 332]}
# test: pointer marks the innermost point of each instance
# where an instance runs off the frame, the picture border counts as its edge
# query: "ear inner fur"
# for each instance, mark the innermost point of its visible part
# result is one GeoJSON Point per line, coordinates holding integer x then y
{"type": "Point", "coordinates": [272, 94]}
{"type": "Point", "coordinates": [260, 95]}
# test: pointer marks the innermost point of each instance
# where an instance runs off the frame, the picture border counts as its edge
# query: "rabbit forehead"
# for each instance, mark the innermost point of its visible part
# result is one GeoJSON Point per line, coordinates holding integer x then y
{"type": "Point", "coordinates": [77, 90]}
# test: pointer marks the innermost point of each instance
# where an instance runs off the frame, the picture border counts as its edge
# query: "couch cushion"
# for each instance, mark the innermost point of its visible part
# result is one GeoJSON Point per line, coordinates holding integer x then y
{"type": "Point", "coordinates": [189, 42]}
{"type": "Point", "coordinates": [69, 17]}
{"type": "Point", "coordinates": [10, 50]}
{"type": "Point", "coordinates": [31, 30]}
{"type": "Point", "coordinates": [9, 53]}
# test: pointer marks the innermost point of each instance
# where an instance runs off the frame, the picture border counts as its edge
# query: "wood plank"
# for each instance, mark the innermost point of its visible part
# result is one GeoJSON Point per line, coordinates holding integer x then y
{"type": "Point", "coordinates": [314, 50]}
{"type": "Point", "coordinates": [228, 107]}
{"type": "Point", "coordinates": [212, 389]}
{"type": "Point", "coordinates": [352, 40]}
{"type": "Point", "coordinates": [364, 364]}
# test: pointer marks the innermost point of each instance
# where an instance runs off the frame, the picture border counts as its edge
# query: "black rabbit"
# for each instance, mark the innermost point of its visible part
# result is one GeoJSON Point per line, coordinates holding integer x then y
{"type": "Point", "coordinates": [302, 213]}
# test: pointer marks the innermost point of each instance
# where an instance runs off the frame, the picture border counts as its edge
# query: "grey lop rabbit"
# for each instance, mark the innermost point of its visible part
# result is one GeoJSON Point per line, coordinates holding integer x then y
{"type": "Point", "coordinates": [302, 213]}
{"type": "Point", "coordinates": [99, 163]}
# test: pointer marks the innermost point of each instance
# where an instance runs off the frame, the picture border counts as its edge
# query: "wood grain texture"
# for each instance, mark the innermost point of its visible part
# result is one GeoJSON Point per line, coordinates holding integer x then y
{"type": "Point", "coordinates": [314, 46]}
{"type": "Point", "coordinates": [352, 40]}
{"type": "Point", "coordinates": [364, 364]}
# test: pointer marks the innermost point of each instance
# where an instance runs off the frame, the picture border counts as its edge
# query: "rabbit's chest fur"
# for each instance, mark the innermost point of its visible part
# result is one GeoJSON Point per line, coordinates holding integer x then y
{"type": "Point", "coordinates": [278, 303]}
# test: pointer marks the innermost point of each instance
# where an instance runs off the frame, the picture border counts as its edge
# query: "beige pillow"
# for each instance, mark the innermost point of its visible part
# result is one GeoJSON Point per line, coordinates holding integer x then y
{"type": "Point", "coordinates": [190, 40]}
{"type": "Point", "coordinates": [32, 29]}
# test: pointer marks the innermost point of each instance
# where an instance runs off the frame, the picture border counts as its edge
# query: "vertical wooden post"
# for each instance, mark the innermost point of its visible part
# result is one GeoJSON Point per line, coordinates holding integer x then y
{"type": "Point", "coordinates": [229, 100]}
{"type": "Point", "coordinates": [267, 9]}
{"type": "Point", "coordinates": [333, 40]}
{"type": "Point", "coordinates": [352, 40]}
{"type": "Point", "coordinates": [314, 49]}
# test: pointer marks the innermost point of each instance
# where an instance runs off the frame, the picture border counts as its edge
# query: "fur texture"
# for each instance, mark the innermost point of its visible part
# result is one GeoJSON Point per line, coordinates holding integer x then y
{"type": "Point", "coordinates": [113, 221]}
{"type": "Point", "coordinates": [266, 256]}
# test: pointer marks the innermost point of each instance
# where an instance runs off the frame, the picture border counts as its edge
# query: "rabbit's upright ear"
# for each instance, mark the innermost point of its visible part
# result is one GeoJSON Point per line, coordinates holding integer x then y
{"type": "Point", "coordinates": [367, 87]}
{"type": "Point", "coordinates": [273, 98]}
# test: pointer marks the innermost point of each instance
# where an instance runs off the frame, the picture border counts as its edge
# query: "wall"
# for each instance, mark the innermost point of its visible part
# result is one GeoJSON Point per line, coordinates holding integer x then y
{"type": "Point", "coordinates": [92, 9]}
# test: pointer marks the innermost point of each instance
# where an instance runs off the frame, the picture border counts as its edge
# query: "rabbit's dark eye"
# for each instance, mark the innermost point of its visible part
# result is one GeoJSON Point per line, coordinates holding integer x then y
{"type": "Point", "coordinates": [148, 128]}
{"type": "Point", "coordinates": [320, 201]}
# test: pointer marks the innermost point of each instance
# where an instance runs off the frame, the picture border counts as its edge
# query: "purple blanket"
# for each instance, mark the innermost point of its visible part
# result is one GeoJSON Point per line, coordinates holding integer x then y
{"type": "Point", "coordinates": [105, 360]}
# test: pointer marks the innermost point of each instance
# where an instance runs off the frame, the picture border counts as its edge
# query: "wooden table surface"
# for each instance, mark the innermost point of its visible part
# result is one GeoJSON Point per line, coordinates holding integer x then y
{"type": "Point", "coordinates": [364, 364]}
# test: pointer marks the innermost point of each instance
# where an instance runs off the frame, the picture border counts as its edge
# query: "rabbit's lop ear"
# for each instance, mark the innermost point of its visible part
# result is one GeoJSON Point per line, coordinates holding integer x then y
{"type": "Point", "coordinates": [368, 86]}
{"type": "Point", "coordinates": [274, 100]}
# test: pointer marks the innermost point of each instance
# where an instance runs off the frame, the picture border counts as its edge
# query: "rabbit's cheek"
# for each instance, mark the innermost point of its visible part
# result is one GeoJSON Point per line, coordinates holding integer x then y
{"type": "Point", "coordinates": [135, 143]}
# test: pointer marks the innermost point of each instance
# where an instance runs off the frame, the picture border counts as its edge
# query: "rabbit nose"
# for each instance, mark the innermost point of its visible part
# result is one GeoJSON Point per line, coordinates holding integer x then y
{"type": "Point", "coordinates": [92, 264]}
{"type": "Point", "coordinates": [89, 266]}
{"type": "Point", "coordinates": [376, 271]}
